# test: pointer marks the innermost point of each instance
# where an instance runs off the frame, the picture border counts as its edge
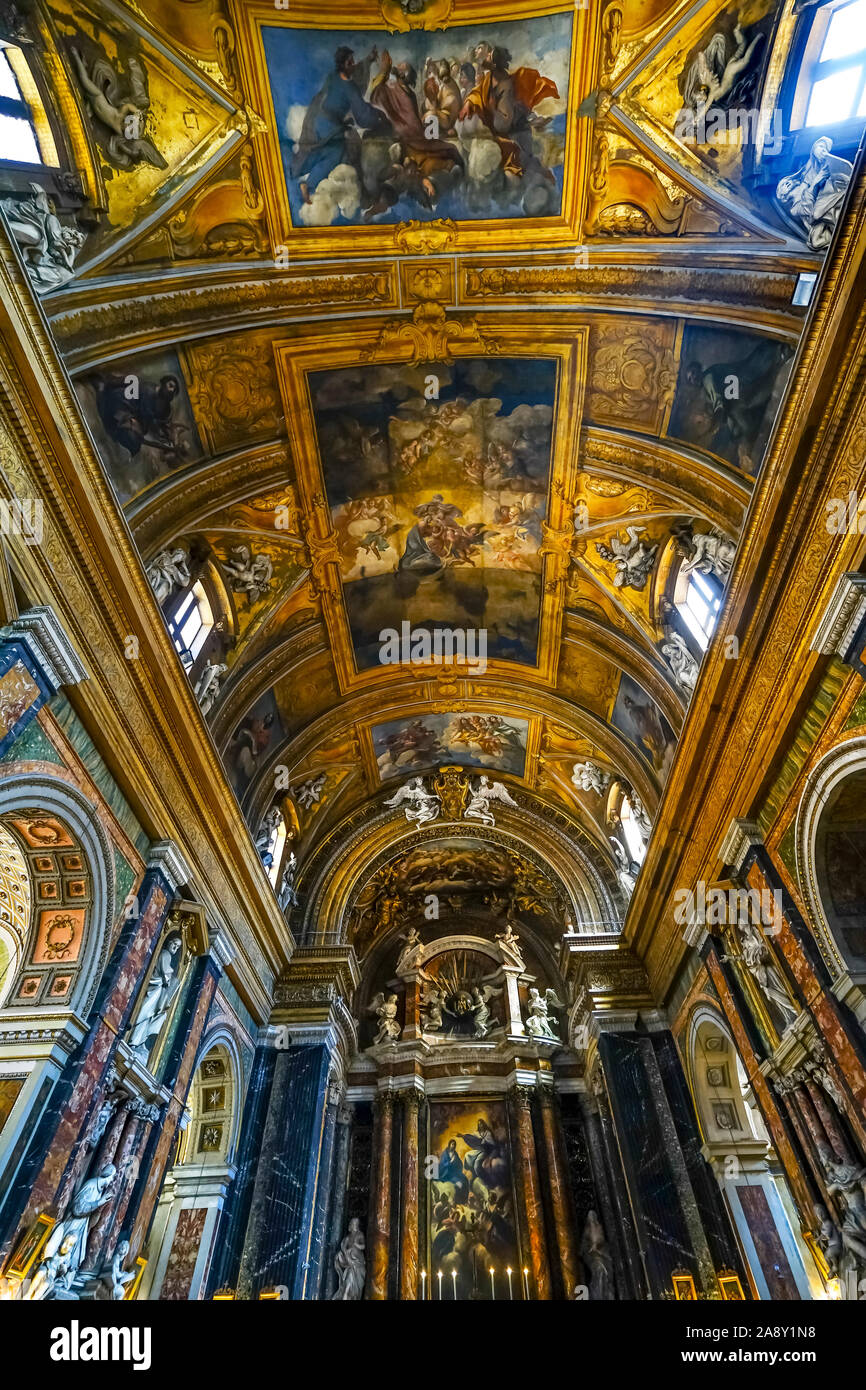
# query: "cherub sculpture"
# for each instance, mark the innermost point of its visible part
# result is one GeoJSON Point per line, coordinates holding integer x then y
{"type": "Point", "coordinates": [633, 559]}
{"type": "Point", "coordinates": [385, 1009]}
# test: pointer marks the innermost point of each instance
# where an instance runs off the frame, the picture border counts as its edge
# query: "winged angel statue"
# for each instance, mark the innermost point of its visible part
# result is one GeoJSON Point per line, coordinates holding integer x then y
{"type": "Point", "coordinates": [539, 1023]}
{"type": "Point", "coordinates": [480, 798]}
{"type": "Point", "coordinates": [418, 804]}
{"type": "Point", "coordinates": [384, 1006]}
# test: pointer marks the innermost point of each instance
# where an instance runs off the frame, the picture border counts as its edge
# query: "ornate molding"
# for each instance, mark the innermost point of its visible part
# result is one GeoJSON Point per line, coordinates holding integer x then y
{"type": "Point", "coordinates": [740, 837]}
{"type": "Point", "coordinates": [41, 631]}
{"type": "Point", "coordinates": [431, 335]}
{"type": "Point", "coordinates": [842, 618]}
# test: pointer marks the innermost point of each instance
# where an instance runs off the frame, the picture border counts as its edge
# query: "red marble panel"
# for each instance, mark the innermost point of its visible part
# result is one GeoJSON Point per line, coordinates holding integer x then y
{"type": "Point", "coordinates": [183, 1255]}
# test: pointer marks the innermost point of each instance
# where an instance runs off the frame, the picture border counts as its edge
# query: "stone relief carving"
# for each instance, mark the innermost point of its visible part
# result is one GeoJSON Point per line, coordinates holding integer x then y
{"type": "Point", "coordinates": [589, 777]}
{"type": "Point", "coordinates": [120, 107]}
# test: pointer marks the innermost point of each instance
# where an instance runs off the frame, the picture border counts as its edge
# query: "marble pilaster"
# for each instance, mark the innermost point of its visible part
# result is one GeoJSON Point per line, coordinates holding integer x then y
{"type": "Point", "coordinates": [569, 1265]}
{"type": "Point", "coordinates": [379, 1237]}
{"type": "Point", "coordinates": [530, 1191]}
{"type": "Point", "coordinates": [410, 1191]}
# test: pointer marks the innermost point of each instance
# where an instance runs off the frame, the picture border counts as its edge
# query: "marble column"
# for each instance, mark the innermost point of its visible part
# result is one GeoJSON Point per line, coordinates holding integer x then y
{"type": "Point", "coordinates": [379, 1238]}
{"type": "Point", "coordinates": [409, 1205]}
{"type": "Point", "coordinates": [280, 1232]}
{"type": "Point", "coordinates": [557, 1177]}
{"type": "Point", "coordinates": [530, 1191]}
{"type": "Point", "coordinates": [830, 1121]}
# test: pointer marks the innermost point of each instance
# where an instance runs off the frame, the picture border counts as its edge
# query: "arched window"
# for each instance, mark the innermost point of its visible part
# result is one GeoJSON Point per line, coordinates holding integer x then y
{"type": "Point", "coordinates": [191, 623]}
{"type": "Point", "coordinates": [832, 82]}
{"type": "Point", "coordinates": [25, 133]}
{"type": "Point", "coordinates": [698, 600]}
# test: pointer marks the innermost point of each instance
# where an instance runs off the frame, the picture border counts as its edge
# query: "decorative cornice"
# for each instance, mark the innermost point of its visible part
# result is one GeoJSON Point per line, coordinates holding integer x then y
{"type": "Point", "coordinates": [740, 837]}
{"type": "Point", "coordinates": [43, 634]}
{"type": "Point", "coordinates": [842, 617]}
{"type": "Point", "coordinates": [167, 858]}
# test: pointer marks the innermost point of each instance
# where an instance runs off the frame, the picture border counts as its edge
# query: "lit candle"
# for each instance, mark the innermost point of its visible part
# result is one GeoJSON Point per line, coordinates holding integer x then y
{"type": "Point", "coordinates": [423, 1284]}
{"type": "Point", "coordinates": [439, 1277]}
{"type": "Point", "coordinates": [492, 1285]}
{"type": "Point", "coordinates": [454, 1283]}
{"type": "Point", "coordinates": [510, 1289]}
{"type": "Point", "coordinates": [526, 1282]}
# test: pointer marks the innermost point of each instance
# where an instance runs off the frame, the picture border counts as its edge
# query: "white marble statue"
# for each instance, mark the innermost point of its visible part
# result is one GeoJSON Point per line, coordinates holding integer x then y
{"type": "Point", "coordinates": [627, 879]}
{"type": "Point", "coordinates": [849, 1181]}
{"type": "Point", "coordinates": [167, 572]}
{"type": "Point", "coordinates": [385, 1009]}
{"type": "Point", "coordinates": [633, 559]}
{"type": "Point", "coordinates": [47, 246]}
{"type": "Point", "coordinates": [432, 1004]}
{"type": "Point", "coordinates": [207, 687]}
{"type": "Point", "coordinates": [706, 553]}
{"type": "Point", "coordinates": [761, 966]}
{"type": "Point", "coordinates": [266, 834]}
{"type": "Point", "coordinates": [66, 1246]}
{"type": "Point", "coordinates": [418, 804]}
{"type": "Point", "coordinates": [350, 1264]}
{"type": "Point", "coordinates": [538, 1022]}
{"type": "Point", "coordinates": [480, 1008]}
{"type": "Point", "coordinates": [683, 665]}
{"type": "Point", "coordinates": [814, 194]}
{"type": "Point", "coordinates": [248, 574]}
{"type": "Point", "coordinates": [589, 777]}
{"type": "Point", "coordinates": [597, 1260]}
{"type": "Point", "coordinates": [161, 990]}
{"type": "Point", "coordinates": [480, 798]}
{"type": "Point", "coordinates": [287, 896]}
{"type": "Point", "coordinates": [639, 814]}
{"type": "Point", "coordinates": [408, 958]}
{"type": "Point", "coordinates": [509, 944]}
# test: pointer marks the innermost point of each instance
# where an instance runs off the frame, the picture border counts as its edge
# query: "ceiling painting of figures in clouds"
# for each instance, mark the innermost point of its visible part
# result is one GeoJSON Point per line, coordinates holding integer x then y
{"type": "Point", "coordinates": [467, 125]}
{"type": "Point", "coordinates": [437, 483]}
{"type": "Point", "coordinates": [474, 740]}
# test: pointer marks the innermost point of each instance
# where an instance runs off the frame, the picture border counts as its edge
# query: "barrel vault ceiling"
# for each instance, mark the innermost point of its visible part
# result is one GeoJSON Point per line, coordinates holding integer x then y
{"type": "Point", "coordinates": [471, 391]}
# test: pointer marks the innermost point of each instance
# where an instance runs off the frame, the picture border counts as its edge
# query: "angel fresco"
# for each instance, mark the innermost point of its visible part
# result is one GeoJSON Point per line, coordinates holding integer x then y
{"type": "Point", "coordinates": [467, 125]}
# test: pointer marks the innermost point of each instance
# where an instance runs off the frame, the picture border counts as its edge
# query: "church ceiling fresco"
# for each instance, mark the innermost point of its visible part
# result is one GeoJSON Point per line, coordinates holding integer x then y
{"type": "Point", "coordinates": [457, 317]}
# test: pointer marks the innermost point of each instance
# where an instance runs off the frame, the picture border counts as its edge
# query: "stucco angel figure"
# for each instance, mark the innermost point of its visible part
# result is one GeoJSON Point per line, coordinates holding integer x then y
{"type": "Point", "coordinates": [248, 575]}
{"type": "Point", "coordinates": [683, 666]}
{"type": "Point", "coordinates": [207, 687]}
{"type": "Point", "coordinates": [712, 74]}
{"type": "Point", "coordinates": [167, 572]}
{"type": "Point", "coordinates": [161, 989]}
{"type": "Point", "coordinates": [480, 1008]}
{"type": "Point", "coordinates": [589, 777]}
{"type": "Point", "coordinates": [705, 553]}
{"type": "Point", "coordinates": [432, 1004]}
{"type": "Point", "coordinates": [385, 1009]}
{"type": "Point", "coordinates": [350, 1264]}
{"type": "Point", "coordinates": [66, 1247]}
{"type": "Point", "coordinates": [814, 193]}
{"type": "Point", "coordinates": [627, 879]}
{"type": "Point", "coordinates": [122, 113]}
{"type": "Point", "coordinates": [480, 798]}
{"type": "Point", "coordinates": [413, 948]}
{"type": "Point", "coordinates": [509, 944]}
{"type": "Point", "coordinates": [418, 804]}
{"type": "Point", "coordinates": [538, 1022]}
{"type": "Point", "coordinates": [633, 559]}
